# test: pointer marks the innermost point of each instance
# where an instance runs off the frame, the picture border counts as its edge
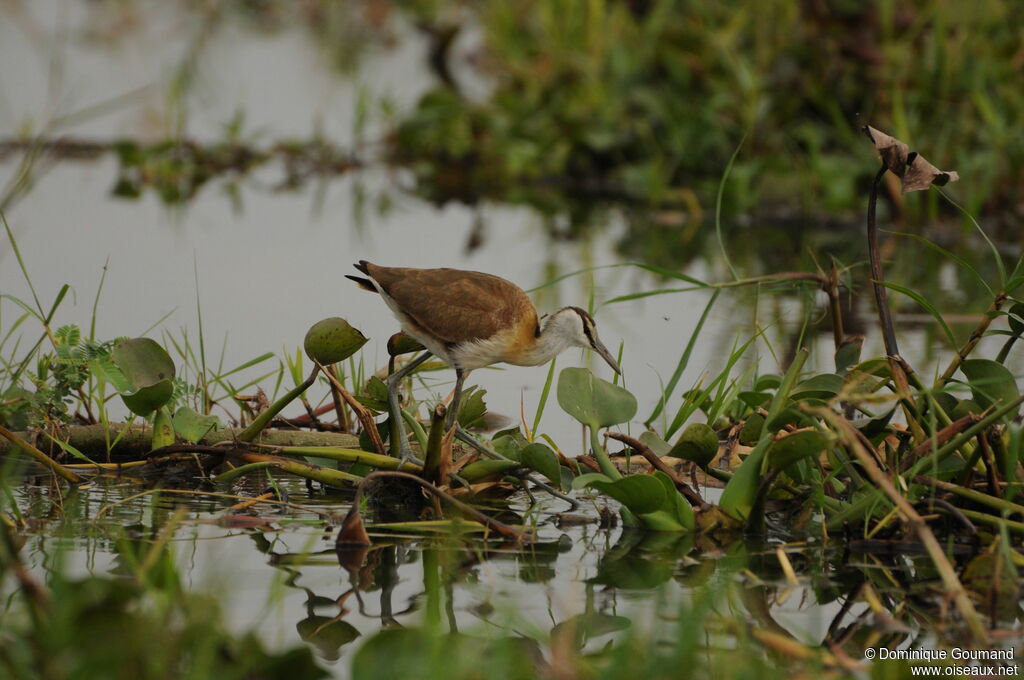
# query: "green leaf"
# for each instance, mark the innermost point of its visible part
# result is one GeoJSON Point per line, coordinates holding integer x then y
{"type": "Point", "coordinates": [824, 386]}
{"type": "Point", "coordinates": [741, 491]}
{"type": "Point", "coordinates": [163, 429]}
{"type": "Point", "coordinates": [928, 307]}
{"type": "Point", "coordinates": [787, 450]}
{"type": "Point", "coordinates": [678, 507]}
{"type": "Point", "coordinates": [697, 443]}
{"type": "Point", "coordinates": [750, 433]}
{"type": "Point", "coordinates": [149, 370]}
{"type": "Point", "coordinates": [990, 382]}
{"type": "Point", "coordinates": [642, 494]}
{"type": "Point", "coordinates": [472, 407]}
{"type": "Point", "coordinates": [192, 426]}
{"type": "Point", "coordinates": [332, 340]}
{"type": "Point", "coordinates": [754, 399]}
{"type": "Point", "coordinates": [592, 401]}
{"type": "Point", "coordinates": [482, 469]}
{"type": "Point", "coordinates": [848, 353]}
{"type": "Point", "coordinates": [542, 459]}
{"type": "Point", "coordinates": [659, 446]}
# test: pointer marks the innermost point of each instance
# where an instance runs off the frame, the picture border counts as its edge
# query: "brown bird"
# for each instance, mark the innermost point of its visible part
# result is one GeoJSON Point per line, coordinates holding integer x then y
{"type": "Point", "coordinates": [470, 320]}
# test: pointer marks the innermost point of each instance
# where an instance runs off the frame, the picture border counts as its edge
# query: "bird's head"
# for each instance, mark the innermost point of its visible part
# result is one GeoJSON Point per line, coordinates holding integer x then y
{"type": "Point", "coordinates": [579, 330]}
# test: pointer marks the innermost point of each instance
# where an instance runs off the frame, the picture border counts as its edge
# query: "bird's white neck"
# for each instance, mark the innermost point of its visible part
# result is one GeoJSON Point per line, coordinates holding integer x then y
{"type": "Point", "coordinates": [559, 333]}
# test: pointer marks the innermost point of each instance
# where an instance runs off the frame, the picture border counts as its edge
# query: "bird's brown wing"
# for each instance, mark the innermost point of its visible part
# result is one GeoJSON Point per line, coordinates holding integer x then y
{"type": "Point", "coordinates": [454, 305]}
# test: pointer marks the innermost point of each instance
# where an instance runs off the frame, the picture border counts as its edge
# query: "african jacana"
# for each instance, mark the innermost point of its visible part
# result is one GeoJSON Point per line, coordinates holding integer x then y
{"type": "Point", "coordinates": [471, 320]}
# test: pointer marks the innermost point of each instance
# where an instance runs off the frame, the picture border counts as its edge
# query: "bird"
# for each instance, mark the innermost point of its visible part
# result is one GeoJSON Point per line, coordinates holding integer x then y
{"type": "Point", "coordinates": [470, 319]}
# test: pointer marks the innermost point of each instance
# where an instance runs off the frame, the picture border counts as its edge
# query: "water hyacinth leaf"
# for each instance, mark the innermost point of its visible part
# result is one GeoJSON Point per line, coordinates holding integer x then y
{"type": "Point", "coordinates": [659, 446]}
{"type": "Point", "coordinates": [848, 353]}
{"type": "Point", "coordinates": [482, 469]}
{"type": "Point", "coordinates": [787, 450]}
{"type": "Point", "coordinates": [1015, 317]}
{"type": "Point", "coordinates": [592, 401]}
{"type": "Point", "coordinates": [642, 494]}
{"type": "Point", "coordinates": [149, 370]}
{"type": "Point", "coordinates": [192, 426]}
{"type": "Point", "coordinates": [542, 459]}
{"type": "Point", "coordinates": [163, 429]}
{"type": "Point", "coordinates": [750, 433]}
{"type": "Point", "coordinates": [990, 381]}
{"type": "Point", "coordinates": [965, 407]}
{"type": "Point", "coordinates": [472, 407]}
{"type": "Point", "coordinates": [824, 386]}
{"type": "Point", "coordinates": [697, 443]}
{"type": "Point", "coordinates": [332, 340]}
{"type": "Point", "coordinates": [680, 510]}
{"type": "Point", "coordinates": [878, 367]}
{"type": "Point", "coordinates": [400, 343]}
{"type": "Point", "coordinates": [754, 399]}
{"type": "Point", "coordinates": [510, 446]}
{"type": "Point", "coordinates": [740, 492]}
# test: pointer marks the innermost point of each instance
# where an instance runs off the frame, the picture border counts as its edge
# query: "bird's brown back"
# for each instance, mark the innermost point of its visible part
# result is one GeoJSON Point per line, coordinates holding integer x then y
{"type": "Point", "coordinates": [455, 305]}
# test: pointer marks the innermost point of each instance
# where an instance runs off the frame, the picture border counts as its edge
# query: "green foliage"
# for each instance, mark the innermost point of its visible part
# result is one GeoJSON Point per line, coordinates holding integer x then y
{"type": "Point", "coordinates": [139, 627]}
{"type": "Point", "coordinates": [649, 100]}
{"type": "Point", "coordinates": [332, 340]}
{"type": "Point", "coordinates": [148, 372]}
{"type": "Point", "coordinates": [594, 402]}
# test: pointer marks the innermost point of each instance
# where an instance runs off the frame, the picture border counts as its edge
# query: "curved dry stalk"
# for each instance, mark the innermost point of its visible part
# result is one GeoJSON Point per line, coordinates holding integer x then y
{"type": "Point", "coordinates": [364, 416]}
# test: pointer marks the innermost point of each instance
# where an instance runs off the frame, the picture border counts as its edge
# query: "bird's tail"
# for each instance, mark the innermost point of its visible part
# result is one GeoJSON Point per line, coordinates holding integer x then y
{"type": "Point", "coordinates": [366, 284]}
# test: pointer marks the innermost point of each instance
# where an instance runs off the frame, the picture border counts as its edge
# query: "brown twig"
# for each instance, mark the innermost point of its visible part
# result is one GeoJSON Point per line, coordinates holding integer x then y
{"type": "Point", "coordinates": [365, 418]}
{"type": "Point", "coordinates": [940, 438]}
{"type": "Point", "coordinates": [657, 463]}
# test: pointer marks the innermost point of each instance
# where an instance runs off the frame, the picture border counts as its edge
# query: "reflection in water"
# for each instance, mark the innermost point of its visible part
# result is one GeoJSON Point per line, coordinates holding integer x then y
{"type": "Point", "coordinates": [573, 592]}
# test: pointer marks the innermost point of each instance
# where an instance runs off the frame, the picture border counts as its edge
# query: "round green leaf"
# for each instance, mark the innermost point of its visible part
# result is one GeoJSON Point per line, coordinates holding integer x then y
{"type": "Point", "coordinates": [990, 381]}
{"type": "Point", "coordinates": [148, 368]}
{"type": "Point", "coordinates": [542, 459]}
{"type": "Point", "coordinates": [697, 443]}
{"type": "Point", "coordinates": [824, 386]}
{"type": "Point", "coordinates": [192, 426]}
{"type": "Point", "coordinates": [787, 450]}
{"type": "Point", "coordinates": [640, 493]}
{"type": "Point", "coordinates": [332, 340]}
{"type": "Point", "coordinates": [592, 401]}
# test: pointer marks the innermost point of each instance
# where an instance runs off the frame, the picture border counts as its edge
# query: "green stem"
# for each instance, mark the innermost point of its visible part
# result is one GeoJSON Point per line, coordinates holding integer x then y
{"type": "Point", "coordinates": [262, 420]}
{"type": "Point", "coordinates": [347, 455]}
{"type": "Point", "coordinates": [602, 456]}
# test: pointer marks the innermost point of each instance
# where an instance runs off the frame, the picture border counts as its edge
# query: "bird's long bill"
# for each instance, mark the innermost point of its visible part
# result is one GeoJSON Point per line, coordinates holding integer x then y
{"type": "Point", "coordinates": [606, 355]}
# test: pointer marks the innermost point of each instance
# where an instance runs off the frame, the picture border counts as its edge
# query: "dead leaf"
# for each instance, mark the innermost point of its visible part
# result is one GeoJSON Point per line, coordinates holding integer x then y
{"type": "Point", "coordinates": [921, 174]}
{"type": "Point", "coordinates": [893, 152]}
{"type": "Point", "coordinates": [915, 172]}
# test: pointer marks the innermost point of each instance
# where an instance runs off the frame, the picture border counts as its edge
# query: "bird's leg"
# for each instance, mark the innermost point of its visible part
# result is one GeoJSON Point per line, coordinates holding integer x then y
{"type": "Point", "coordinates": [397, 431]}
{"type": "Point", "coordinates": [453, 408]}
